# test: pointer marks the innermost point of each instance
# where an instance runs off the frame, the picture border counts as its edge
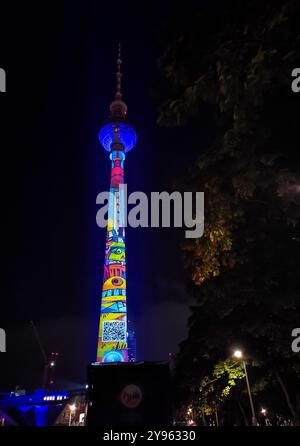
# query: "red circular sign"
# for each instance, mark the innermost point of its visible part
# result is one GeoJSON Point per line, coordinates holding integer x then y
{"type": "Point", "coordinates": [131, 396]}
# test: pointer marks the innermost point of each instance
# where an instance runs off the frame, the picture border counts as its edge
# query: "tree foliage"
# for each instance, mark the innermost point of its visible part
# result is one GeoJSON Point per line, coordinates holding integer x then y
{"type": "Point", "coordinates": [237, 61]}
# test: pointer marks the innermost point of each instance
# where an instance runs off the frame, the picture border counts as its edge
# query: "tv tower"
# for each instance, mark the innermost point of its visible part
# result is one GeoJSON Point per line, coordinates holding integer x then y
{"type": "Point", "coordinates": [118, 137]}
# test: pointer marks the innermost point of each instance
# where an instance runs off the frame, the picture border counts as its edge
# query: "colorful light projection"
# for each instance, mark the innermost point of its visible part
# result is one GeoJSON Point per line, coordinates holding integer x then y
{"type": "Point", "coordinates": [118, 137]}
{"type": "Point", "coordinates": [112, 343]}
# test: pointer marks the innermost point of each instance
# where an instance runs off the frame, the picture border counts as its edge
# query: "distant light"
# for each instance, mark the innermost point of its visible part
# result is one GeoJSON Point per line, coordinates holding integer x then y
{"type": "Point", "coordinates": [263, 411]}
{"type": "Point", "coordinates": [52, 364]}
{"type": "Point", "coordinates": [72, 407]}
{"type": "Point", "coordinates": [238, 354]}
{"type": "Point", "coordinates": [86, 386]}
{"type": "Point", "coordinates": [57, 397]}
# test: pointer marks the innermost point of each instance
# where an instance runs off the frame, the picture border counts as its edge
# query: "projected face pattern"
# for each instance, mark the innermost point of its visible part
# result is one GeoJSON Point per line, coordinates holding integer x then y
{"type": "Point", "coordinates": [112, 340]}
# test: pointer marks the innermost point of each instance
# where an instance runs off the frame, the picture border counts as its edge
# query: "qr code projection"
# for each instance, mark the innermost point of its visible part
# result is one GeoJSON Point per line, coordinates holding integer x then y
{"type": "Point", "coordinates": [114, 331]}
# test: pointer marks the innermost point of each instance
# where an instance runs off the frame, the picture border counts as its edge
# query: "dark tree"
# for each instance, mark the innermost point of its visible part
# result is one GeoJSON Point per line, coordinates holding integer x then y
{"type": "Point", "coordinates": [234, 60]}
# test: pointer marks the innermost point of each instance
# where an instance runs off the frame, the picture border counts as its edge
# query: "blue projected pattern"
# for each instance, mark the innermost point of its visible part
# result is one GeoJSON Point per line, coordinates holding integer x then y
{"type": "Point", "coordinates": [113, 356]}
{"type": "Point", "coordinates": [118, 132]}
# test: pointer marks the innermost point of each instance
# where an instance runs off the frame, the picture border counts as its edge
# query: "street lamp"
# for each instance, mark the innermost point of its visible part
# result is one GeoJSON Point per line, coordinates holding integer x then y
{"type": "Point", "coordinates": [239, 355]}
{"type": "Point", "coordinates": [264, 413]}
{"type": "Point", "coordinates": [72, 409]}
{"type": "Point", "coordinates": [189, 412]}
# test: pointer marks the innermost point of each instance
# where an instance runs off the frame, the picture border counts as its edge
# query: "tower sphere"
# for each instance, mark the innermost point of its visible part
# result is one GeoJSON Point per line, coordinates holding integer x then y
{"type": "Point", "coordinates": [117, 131]}
{"type": "Point", "coordinates": [118, 108]}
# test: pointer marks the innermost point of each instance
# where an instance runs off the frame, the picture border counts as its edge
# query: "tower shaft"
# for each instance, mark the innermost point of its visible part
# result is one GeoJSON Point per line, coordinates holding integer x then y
{"type": "Point", "coordinates": [112, 341]}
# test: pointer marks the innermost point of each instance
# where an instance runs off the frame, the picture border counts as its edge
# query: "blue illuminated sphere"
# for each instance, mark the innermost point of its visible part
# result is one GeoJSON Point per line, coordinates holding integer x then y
{"type": "Point", "coordinates": [113, 356]}
{"type": "Point", "coordinates": [125, 133]}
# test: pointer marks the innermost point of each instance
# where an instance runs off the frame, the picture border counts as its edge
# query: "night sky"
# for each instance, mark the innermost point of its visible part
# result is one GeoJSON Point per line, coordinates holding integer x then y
{"type": "Point", "coordinates": [60, 64]}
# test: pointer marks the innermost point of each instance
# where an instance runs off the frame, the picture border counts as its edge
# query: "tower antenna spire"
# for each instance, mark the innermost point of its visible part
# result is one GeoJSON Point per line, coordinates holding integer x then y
{"type": "Point", "coordinates": [118, 107]}
{"type": "Point", "coordinates": [118, 94]}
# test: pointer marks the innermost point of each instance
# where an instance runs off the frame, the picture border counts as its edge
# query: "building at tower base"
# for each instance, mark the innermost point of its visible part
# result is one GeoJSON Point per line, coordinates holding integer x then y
{"type": "Point", "coordinates": [129, 394]}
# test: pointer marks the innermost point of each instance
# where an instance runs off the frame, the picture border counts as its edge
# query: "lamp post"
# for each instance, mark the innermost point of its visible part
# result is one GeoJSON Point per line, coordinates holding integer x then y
{"type": "Point", "coordinates": [72, 409]}
{"type": "Point", "coordinates": [239, 355]}
{"type": "Point", "coordinates": [264, 413]}
{"type": "Point", "coordinates": [189, 412]}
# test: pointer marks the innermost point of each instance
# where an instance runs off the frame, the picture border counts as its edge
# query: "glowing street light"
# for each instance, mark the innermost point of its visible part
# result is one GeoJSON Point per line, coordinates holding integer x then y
{"type": "Point", "coordinates": [72, 409]}
{"type": "Point", "coordinates": [264, 411]}
{"type": "Point", "coordinates": [239, 355]}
